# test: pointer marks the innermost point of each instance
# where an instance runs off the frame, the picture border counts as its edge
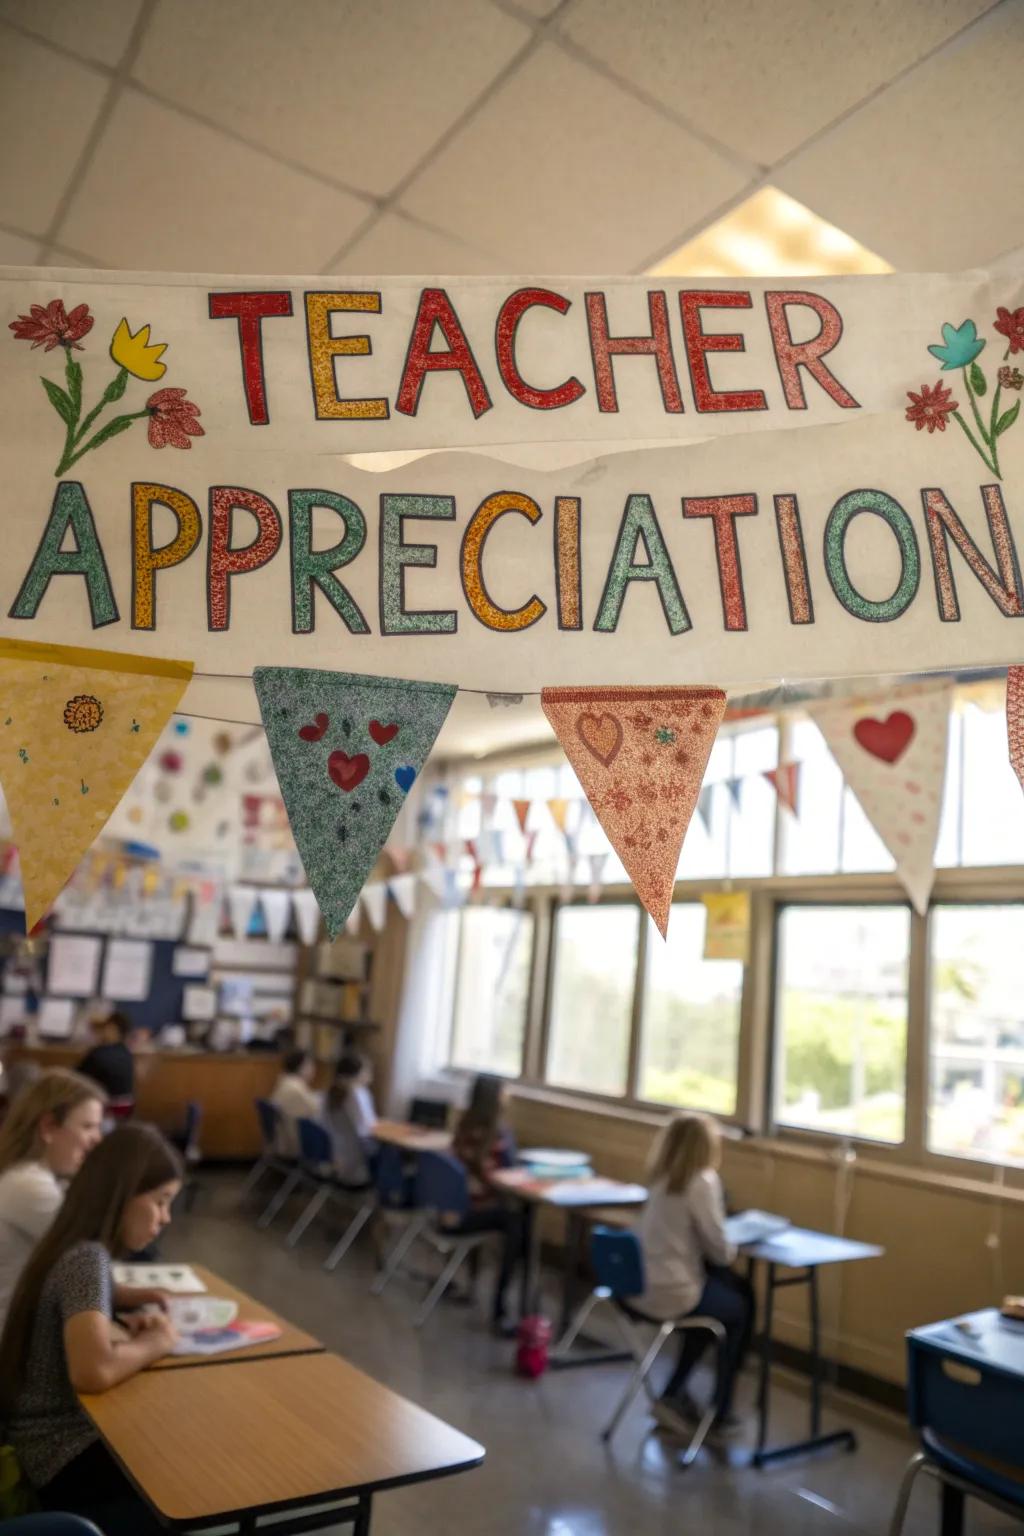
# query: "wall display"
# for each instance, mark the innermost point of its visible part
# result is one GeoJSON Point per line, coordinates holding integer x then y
{"type": "Point", "coordinates": [191, 962]}
{"type": "Point", "coordinates": [199, 1003]}
{"type": "Point", "coordinates": [56, 1018]}
{"type": "Point", "coordinates": [127, 970]}
{"type": "Point", "coordinates": [73, 966]}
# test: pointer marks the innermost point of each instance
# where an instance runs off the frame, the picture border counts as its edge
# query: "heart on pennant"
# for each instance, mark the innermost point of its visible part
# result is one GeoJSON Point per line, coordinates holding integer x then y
{"type": "Point", "coordinates": [348, 772]}
{"type": "Point", "coordinates": [382, 734]}
{"type": "Point", "coordinates": [405, 778]}
{"type": "Point", "coordinates": [317, 730]}
{"type": "Point", "coordinates": [886, 739]}
{"type": "Point", "coordinates": [601, 735]}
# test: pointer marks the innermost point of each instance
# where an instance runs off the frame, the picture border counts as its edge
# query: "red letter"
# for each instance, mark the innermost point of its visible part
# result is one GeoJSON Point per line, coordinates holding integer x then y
{"type": "Point", "coordinates": [705, 396]}
{"type": "Point", "coordinates": [723, 510]}
{"type": "Point", "coordinates": [509, 316]}
{"type": "Point", "coordinates": [436, 309]}
{"type": "Point", "coordinates": [250, 310]}
{"type": "Point", "coordinates": [658, 345]}
{"type": "Point", "coordinates": [943, 525]}
{"type": "Point", "coordinates": [792, 356]}
{"type": "Point", "coordinates": [794, 560]}
{"type": "Point", "coordinates": [223, 561]}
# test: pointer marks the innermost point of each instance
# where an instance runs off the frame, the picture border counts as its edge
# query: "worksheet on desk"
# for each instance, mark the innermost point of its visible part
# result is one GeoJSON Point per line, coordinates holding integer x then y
{"type": "Point", "coordinates": [177, 1278]}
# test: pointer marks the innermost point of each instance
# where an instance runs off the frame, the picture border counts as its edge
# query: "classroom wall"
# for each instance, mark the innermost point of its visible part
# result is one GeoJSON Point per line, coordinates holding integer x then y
{"type": "Point", "coordinates": [952, 1245]}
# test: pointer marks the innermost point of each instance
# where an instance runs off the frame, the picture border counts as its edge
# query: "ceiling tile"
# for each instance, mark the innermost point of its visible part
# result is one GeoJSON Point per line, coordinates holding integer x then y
{"type": "Point", "coordinates": [949, 196]}
{"type": "Point", "coordinates": [762, 78]}
{"type": "Point", "coordinates": [396, 246]}
{"type": "Point", "coordinates": [358, 92]}
{"type": "Point", "coordinates": [538, 10]}
{"type": "Point", "coordinates": [48, 105]}
{"type": "Point", "coordinates": [561, 171]}
{"type": "Point", "coordinates": [99, 29]}
{"type": "Point", "coordinates": [16, 251]}
{"type": "Point", "coordinates": [165, 193]}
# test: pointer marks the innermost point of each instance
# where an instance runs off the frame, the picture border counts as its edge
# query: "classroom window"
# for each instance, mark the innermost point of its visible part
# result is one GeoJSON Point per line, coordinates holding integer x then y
{"type": "Point", "coordinates": [595, 949]}
{"type": "Point", "coordinates": [976, 1098]}
{"type": "Point", "coordinates": [492, 988]}
{"type": "Point", "coordinates": [841, 1019]}
{"type": "Point", "coordinates": [690, 1029]}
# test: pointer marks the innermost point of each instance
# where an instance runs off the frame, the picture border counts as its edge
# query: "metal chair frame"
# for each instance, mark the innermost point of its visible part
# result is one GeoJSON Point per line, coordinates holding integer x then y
{"type": "Point", "coordinates": [315, 1173]}
{"type": "Point", "coordinates": [269, 1161]}
{"type": "Point", "coordinates": [922, 1462]}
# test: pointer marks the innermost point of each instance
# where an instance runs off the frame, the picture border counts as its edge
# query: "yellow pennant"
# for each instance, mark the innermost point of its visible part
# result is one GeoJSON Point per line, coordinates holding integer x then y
{"type": "Point", "coordinates": [75, 728]}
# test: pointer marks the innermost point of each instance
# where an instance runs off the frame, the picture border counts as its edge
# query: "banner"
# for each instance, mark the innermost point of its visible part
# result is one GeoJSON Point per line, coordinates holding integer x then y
{"type": "Point", "coordinates": [175, 453]}
{"type": "Point", "coordinates": [727, 926]}
{"type": "Point", "coordinates": [75, 728]}
{"type": "Point", "coordinates": [785, 780]}
{"type": "Point", "coordinates": [892, 753]}
{"type": "Point", "coordinates": [1015, 719]}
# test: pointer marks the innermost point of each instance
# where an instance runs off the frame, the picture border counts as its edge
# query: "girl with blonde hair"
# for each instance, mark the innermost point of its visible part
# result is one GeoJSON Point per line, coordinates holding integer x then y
{"type": "Point", "coordinates": [49, 1128]}
{"type": "Point", "coordinates": [687, 1253]}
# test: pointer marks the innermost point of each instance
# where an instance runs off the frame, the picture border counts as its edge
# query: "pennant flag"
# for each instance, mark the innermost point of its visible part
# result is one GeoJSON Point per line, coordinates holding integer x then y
{"type": "Point", "coordinates": [705, 801]}
{"type": "Point", "coordinates": [892, 752]}
{"type": "Point", "coordinates": [277, 906]}
{"type": "Point", "coordinates": [531, 843]}
{"type": "Point", "coordinates": [478, 869]}
{"type": "Point", "coordinates": [559, 807]}
{"type": "Point", "coordinates": [307, 915]}
{"type": "Point", "coordinates": [727, 925]}
{"type": "Point", "coordinates": [347, 750]}
{"type": "Point", "coordinates": [352, 922]}
{"type": "Point", "coordinates": [488, 806]}
{"type": "Point", "coordinates": [522, 810]}
{"type": "Point", "coordinates": [640, 755]}
{"type": "Point", "coordinates": [785, 780]}
{"type": "Point", "coordinates": [403, 891]}
{"type": "Point", "coordinates": [735, 788]}
{"type": "Point", "coordinates": [597, 864]}
{"type": "Point", "coordinates": [1015, 719]}
{"type": "Point", "coordinates": [242, 904]}
{"type": "Point", "coordinates": [399, 854]}
{"type": "Point", "coordinates": [75, 728]}
{"type": "Point", "coordinates": [435, 876]}
{"type": "Point", "coordinates": [375, 904]}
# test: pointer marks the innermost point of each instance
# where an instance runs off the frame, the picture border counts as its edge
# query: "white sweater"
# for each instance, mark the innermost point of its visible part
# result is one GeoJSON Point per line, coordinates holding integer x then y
{"type": "Point", "coordinates": [30, 1197]}
{"type": "Point", "coordinates": [680, 1235]}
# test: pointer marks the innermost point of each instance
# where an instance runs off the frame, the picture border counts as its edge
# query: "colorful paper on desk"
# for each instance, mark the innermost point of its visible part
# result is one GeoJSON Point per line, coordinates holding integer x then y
{"type": "Point", "coordinates": [594, 1192]}
{"type": "Point", "coordinates": [214, 1341]}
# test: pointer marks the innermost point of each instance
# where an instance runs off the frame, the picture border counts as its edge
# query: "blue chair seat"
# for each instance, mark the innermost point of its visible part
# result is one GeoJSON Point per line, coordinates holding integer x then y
{"type": "Point", "coordinates": [963, 1465]}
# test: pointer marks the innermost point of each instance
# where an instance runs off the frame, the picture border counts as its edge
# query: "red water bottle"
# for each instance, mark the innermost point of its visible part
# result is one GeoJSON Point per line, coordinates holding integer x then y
{"type": "Point", "coordinates": [532, 1349]}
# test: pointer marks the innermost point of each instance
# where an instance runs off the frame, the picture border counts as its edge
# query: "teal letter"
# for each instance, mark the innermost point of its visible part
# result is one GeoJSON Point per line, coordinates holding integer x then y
{"type": "Point", "coordinates": [70, 510]}
{"type": "Point", "coordinates": [315, 568]}
{"type": "Point", "coordinates": [892, 514]}
{"type": "Point", "coordinates": [639, 521]}
{"type": "Point", "coordinates": [395, 618]}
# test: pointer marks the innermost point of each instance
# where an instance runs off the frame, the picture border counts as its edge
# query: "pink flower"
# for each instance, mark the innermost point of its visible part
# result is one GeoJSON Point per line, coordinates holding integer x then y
{"type": "Point", "coordinates": [53, 325]}
{"type": "Point", "coordinates": [172, 419]}
{"type": "Point", "coordinates": [931, 407]}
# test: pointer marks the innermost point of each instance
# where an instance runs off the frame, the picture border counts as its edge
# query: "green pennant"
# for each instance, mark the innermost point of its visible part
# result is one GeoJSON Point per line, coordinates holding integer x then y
{"type": "Point", "coordinates": [347, 750]}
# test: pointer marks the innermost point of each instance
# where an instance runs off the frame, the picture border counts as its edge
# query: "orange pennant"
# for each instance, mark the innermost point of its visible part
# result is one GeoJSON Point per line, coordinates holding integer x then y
{"type": "Point", "coordinates": [640, 755]}
{"type": "Point", "coordinates": [785, 779]}
{"type": "Point", "coordinates": [559, 808]}
{"type": "Point", "coordinates": [522, 810]}
{"type": "Point", "coordinates": [1015, 719]}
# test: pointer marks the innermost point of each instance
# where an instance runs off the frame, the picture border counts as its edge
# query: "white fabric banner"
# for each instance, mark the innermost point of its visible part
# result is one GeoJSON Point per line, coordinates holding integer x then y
{"type": "Point", "coordinates": [403, 889]}
{"type": "Point", "coordinates": [375, 903]}
{"type": "Point", "coordinates": [892, 752]}
{"type": "Point", "coordinates": [242, 904]}
{"type": "Point", "coordinates": [277, 906]}
{"type": "Point", "coordinates": [307, 915]}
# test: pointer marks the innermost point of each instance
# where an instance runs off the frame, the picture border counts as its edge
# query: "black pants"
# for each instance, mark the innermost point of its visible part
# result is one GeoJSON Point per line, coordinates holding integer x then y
{"type": "Point", "coordinates": [730, 1299]}
{"type": "Point", "coordinates": [508, 1221]}
{"type": "Point", "coordinates": [94, 1487]}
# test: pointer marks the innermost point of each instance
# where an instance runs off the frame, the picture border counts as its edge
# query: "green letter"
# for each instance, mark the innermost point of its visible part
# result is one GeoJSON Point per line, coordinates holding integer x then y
{"type": "Point", "coordinates": [314, 568]}
{"type": "Point", "coordinates": [639, 521]}
{"type": "Point", "coordinates": [892, 514]}
{"type": "Point", "coordinates": [70, 510]}
{"type": "Point", "coordinates": [395, 618]}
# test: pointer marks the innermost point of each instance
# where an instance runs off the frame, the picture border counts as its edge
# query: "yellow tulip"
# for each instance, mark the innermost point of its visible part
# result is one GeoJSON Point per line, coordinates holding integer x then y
{"type": "Point", "coordinates": [136, 354]}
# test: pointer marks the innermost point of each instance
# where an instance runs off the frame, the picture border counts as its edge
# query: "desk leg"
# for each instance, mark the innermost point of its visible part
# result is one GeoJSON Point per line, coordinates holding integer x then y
{"type": "Point", "coordinates": [951, 1520]}
{"type": "Point", "coordinates": [361, 1523]}
{"type": "Point", "coordinates": [530, 1283]}
{"type": "Point", "coordinates": [812, 1301]}
{"type": "Point", "coordinates": [575, 1227]}
{"type": "Point", "coordinates": [816, 1440]}
{"type": "Point", "coordinates": [764, 1384]}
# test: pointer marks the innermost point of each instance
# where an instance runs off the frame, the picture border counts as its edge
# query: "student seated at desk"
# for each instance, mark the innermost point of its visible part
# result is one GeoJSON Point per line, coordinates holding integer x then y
{"type": "Point", "coordinates": [110, 1062]}
{"type": "Point", "coordinates": [296, 1099]}
{"type": "Point", "coordinates": [351, 1116]}
{"type": "Point", "coordinates": [58, 1339]}
{"type": "Point", "coordinates": [484, 1143]}
{"type": "Point", "coordinates": [686, 1256]}
{"type": "Point", "coordinates": [51, 1126]}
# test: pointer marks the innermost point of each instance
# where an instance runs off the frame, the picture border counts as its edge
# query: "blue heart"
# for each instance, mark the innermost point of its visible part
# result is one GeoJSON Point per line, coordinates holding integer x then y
{"type": "Point", "coordinates": [404, 778]}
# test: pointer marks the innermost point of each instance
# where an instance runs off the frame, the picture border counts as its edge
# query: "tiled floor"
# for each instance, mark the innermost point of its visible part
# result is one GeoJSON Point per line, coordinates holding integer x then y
{"type": "Point", "coordinates": [547, 1472]}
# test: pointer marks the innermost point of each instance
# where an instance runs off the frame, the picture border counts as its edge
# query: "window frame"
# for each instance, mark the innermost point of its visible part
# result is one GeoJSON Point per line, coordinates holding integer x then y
{"type": "Point", "coordinates": [457, 1069]}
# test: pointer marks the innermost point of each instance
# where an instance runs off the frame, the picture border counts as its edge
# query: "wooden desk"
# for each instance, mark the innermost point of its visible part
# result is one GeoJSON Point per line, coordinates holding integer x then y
{"type": "Point", "coordinates": [411, 1138]}
{"type": "Point", "coordinates": [205, 1447]}
{"type": "Point", "coordinates": [293, 1341]}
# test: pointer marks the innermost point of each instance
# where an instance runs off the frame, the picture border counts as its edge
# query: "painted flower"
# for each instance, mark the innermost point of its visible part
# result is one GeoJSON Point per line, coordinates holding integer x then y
{"type": "Point", "coordinates": [172, 419]}
{"type": "Point", "coordinates": [1010, 323]}
{"type": "Point", "coordinates": [961, 345]}
{"type": "Point", "coordinates": [1011, 378]}
{"type": "Point", "coordinates": [53, 325]}
{"type": "Point", "coordinates": [136, 354]}
{"type": "Point", "coordinates": [664, 736]}
{"type": "Point", "coordinates": [83, 713]}
{"type": "Point", "coordinates": [931, 407]}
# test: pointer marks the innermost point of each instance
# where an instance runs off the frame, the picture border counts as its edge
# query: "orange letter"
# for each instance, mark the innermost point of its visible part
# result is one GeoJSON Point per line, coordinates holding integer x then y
{"type": "Point", "coordinates": [479, 526]}
{"type": "Point", "coordinates": [145, 559]}
{"type": "Point", "coordinates": [324, 348]}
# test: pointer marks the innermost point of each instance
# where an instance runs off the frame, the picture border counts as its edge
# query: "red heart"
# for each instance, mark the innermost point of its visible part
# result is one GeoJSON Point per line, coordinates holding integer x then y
{"type": "Point", "coordinates": [886, 739]}
{"type": "Point", "coordinates": [382, 734]}
{"type": "Point", "coordinates": [317, 730]}
{"type": "Point", "coordinates": [348, 772]}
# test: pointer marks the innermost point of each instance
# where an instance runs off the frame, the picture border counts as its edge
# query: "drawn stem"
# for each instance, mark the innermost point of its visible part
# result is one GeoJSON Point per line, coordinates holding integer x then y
{"type": "Point", "coordinates": [979, 450]}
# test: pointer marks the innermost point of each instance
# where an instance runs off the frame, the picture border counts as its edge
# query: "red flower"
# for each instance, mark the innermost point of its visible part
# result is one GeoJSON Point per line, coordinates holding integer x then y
{"type": "Point", "coordinates": [1011, 378]}
{"type": "Point", "coordinates": [172, 419]}
{"type": "Point", "coordinates": [1010, 323]}
{"type": "Point", "coordinates": [931, 407]}
{"type": "Point", "coordinates": [53, 325]}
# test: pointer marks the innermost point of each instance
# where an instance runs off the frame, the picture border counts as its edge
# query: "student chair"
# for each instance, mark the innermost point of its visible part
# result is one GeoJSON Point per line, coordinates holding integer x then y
{"type": "Point", "coordinates": [617, 1262]}
{"type": "Point", "coordinates": [187, 1142]}
{"type": "Point", "coordinates": [49, 1524]}
{"type": "Point", "coordinates": [391, 1195]}
{"type": "Point", "coordinates": [269, 1160]}
{"type": "Point", "coordinates": [442, 1190]}
{"type": "Point", "coordinates": [315, 1172]}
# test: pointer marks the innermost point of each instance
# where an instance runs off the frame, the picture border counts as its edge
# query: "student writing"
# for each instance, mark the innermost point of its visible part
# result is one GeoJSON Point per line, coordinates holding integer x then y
{"type": "Point", "coordinates": [58, 1339]}
{"type": "Point", "coordinates": [484, 1143]}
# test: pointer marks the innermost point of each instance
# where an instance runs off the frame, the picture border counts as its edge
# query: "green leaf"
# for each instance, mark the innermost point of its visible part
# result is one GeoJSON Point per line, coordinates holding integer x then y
{"type": "Point", "coordinates": [60, 402]}
{"type": "Point", "coordinates": [978, 380]}
{"type": "Point", "coordinates": [1007, 419]}
{"type": "Point", "coordinates": [112, 429]}
{"type": "Point", "coordinates": [117, 386]}
{"type": "Point", "coordinates": [74, 376]}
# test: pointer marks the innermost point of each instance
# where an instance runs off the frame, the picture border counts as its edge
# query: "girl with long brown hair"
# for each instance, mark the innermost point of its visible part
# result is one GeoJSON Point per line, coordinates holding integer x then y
{"type": "Point", "coordinates": [58, 1340]}
{"type": "Point", "coordinates": [687, 1253]}
{"type": "Point", "coordinates": [49, 1128]}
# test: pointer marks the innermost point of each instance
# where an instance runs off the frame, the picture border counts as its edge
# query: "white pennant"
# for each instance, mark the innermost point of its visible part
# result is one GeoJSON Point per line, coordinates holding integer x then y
{"type": "Point", "coordinates": [277, 906]}
{"type": "Point", "coordinates": [434, 876]}
{"type": "Point", "coordinates": [352, 922]}
{"type": "Point", "coordinates": [242, 901]}
{"type": "Point", "coordinates": [403, 889]}
{"type": "Point", "coordinates": [375, 903]}
{"type": "Point", "coordinates": [597, 864]}
{"type": "Point", "coordinates": [307, 915]}
{"type": "Point", "coordinates": [892, 752]}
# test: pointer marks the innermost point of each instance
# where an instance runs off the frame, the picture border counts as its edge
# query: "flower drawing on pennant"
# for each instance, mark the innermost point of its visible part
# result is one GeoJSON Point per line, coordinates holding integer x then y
{"type": "Point", "coordinates": [83, 713]}
{"type": "Point", "coordinates": [173, 418]}
{"type": "Point", "coordinates": [933, 404]}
